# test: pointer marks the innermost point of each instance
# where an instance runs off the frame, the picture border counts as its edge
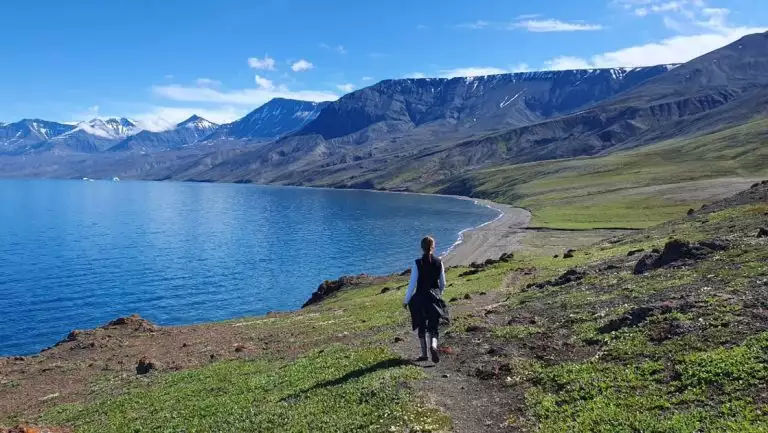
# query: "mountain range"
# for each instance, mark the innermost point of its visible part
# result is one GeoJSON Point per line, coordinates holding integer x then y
{"type": "Point", "coordinates": [410, 133]}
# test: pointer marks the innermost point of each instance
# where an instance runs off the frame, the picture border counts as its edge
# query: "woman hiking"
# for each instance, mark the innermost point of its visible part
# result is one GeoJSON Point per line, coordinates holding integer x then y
{"type": "Point", "coordinates": [424, 298]}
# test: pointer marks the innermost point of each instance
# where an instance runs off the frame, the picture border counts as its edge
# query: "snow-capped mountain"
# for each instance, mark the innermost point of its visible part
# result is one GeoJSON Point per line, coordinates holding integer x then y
{"type": "Point", "coordinates": [92, 136]}
{"type": "Point", "coordinates": [198, 124]}
{"type": "Point", "coordinates": [17, 137]}
{"type": "Point", "coordinates": [183, 134]}
{"type": "Point", "coordinates": [274, 119]}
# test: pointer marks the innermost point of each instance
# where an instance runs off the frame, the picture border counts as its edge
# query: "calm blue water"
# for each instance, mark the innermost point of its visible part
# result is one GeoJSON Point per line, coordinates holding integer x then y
{"type": "Point", "coordinates": [77, 254]}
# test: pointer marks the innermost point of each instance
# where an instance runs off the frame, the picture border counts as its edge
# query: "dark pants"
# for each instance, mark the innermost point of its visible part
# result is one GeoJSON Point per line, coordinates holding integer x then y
{"type": "Point", "coordinates": [425, 314]}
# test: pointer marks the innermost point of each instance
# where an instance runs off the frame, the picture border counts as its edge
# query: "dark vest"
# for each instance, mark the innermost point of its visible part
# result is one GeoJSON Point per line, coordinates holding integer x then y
{"type": "Point", "coordinates": [429, 274]}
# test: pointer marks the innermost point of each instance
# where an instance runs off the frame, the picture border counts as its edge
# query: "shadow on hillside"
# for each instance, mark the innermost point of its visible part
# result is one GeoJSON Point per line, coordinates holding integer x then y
{"type": "Point", "coordinates": [352, 375]}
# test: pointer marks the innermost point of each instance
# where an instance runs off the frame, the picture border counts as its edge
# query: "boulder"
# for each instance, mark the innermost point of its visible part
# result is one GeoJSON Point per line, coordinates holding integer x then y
{"type": "Point", "coordinates": [645, 263]}
{"type": "Point", "coordinates": [133, 322]}
{"type": "Point", "coordinates": [762, 232]}
{"type": "Point", "coordinates": [329, 287]}
{"type": "Point", "coordinates": [633, 252]}
{"type": "Point", "coordinates": [145, 365]}
{"type": "Point", "coordinates": [569, 254]}
{"type": "Point", "coordinates": [679, 253]}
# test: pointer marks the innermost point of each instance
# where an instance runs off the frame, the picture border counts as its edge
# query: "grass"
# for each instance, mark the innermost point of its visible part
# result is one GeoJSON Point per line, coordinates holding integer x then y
{"type": "Point", "coordinates": [264, 396]}
{"type": "Point", "coordinates": [630, 189]}
{"type": "Point", "coordinates": [701, 369]}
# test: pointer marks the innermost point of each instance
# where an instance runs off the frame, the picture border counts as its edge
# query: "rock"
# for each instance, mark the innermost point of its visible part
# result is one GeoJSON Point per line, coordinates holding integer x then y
{"type": "Point", "coordinates": [329, 287]}
{"type": "Point", "coordinates": [494, 351]}
{"type": "Point", "coordinates": [633, 318]}
{"type": "Point", "coordinates": [476, 328]}
{"type": "Point", "coordinates": [556, 256]}
{"type": "Point", "coordinates": [656, 251]}
{"type": "Point", "coordinates": [145, 365]}
{"type": "Point", "coordinates": [385, 290]}
{"type": "Point", "coordinates": [677, 253]}
{"type": "Point", "coordinates": [690, 212]}
{"type": "Point", "coordinates": [570, 276]}
{"type": "Point", "coordinates": [133, 322]}
{"type": "Point", "coordinates": [506, 257]}
{"type": "Point", "coordinates": [755, 185]}
{"type": "Point", "coordinates": [74, 335]}
{"type": "Point", "coordinates": [446, 375]}
{"type": "Point", "coordinates": [398, 339]}
{"type": "Point", "coordinates": [482, 293]}
{"type": "Point", "coordinates": [639, 315]}
{"type": "Point", "coordinates": [484, 373]}
{"type": "Point", "coordinates": [633, 252]}
{"type": "Point", "coordinates": [405, 272]}
{"type": "Point", "coordinates": [569, 254]}
{"type": "Point", "coordinates": [762, 232]}
{"type": "Point", "coordinates": [645, 263]}
{"type": "Point", "coordinates": [470, 272]}
{"type": "Point", "coordinates": [239, 348]}
{"type": "Point", "coordinates": [467, 296]}
{"type": "Point", "coordinates": [453, 299]}
{"type": "Point", "coordinates": [716, 244]}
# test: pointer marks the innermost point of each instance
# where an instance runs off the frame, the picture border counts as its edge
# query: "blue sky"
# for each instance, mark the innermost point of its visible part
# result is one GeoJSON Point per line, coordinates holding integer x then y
{"type": "Point", "coordinates": [161, 61]}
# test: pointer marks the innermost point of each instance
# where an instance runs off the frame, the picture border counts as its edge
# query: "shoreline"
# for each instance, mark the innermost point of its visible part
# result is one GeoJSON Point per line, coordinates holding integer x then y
{"type": "Point", "coordinates": [491, 239]}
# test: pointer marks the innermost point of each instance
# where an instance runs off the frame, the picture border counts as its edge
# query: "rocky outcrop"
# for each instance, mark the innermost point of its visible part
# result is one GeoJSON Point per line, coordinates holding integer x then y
{"type": "Point", "coordinates": [329, 287]}
{"type": "Point", "coordinates": [679, 253]}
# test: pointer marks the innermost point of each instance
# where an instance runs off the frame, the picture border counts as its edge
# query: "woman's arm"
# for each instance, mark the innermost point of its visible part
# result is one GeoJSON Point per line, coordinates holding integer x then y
{"type": "Point", "coordinates": [411, 284]}
{"type": "Point", "coordinates": [441, 280]}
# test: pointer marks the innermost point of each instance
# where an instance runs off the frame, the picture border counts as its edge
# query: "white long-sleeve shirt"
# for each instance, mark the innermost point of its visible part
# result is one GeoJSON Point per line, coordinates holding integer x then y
{"type": "Point", "coordinates": [415, 279]}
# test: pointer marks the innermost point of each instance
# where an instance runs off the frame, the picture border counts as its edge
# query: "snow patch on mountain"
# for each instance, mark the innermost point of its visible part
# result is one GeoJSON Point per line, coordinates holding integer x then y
{"type": "Point", "coordinates": [109, 129]}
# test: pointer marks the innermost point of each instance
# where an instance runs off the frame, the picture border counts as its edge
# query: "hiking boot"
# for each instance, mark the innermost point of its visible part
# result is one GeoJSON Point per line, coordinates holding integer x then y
{"type": "Point", "coordinates": [435, 354]}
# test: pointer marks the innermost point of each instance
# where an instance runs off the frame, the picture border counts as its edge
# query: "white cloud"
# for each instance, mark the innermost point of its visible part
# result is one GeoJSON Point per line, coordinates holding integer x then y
{"type": "Point", "coordinates": [476, 25]}
{"type": "Point", "coordinates": [301, 65]}
{"type": "Point", "coordinates": [367, 78]}
{"type": "Point", "coordinates": [264, 83]}
{"type": "Point", "coordinates": [346, 87]}
{"type": "Point", "coordinates": [421, 27]}
{"type": "Point", "coordinates": [159, 118]}
{"type": "Point", "coordinates": [250, 97]}
{"type": "Point", "coordinates": [169, 76]}
{"type": "Point", "coordinates": [415, 75]}
{"type": "Point", "coordinates": [564, 63]}
{"type": "Point", "coordinates": [526, 17]}
{"type": "Point", "coordinates": [551, 25]}
{"type": "Point", "coordinates": [207, 82]}
{"type": "Point", "coordinates": [472, 71]}
{"type": "Point", "coordinates": [338, 48]}
{"type": "Point", "coordinates": [677, 49]}
{"type": "Point", "coordinates": [520, 67]}
{"type": "Point", "coordinates": [267, 63]}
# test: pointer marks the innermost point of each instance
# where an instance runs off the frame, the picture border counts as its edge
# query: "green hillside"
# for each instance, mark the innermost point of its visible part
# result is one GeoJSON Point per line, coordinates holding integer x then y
{"type": "Point", "coordinates": [632, 189]}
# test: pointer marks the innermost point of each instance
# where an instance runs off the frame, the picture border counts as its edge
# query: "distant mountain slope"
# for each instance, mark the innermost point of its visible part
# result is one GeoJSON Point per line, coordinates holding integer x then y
{"type": "Point", "coordinates": [187, 132]}
{"type": "Point", "coordinates": [480, 103]}
{"type": "Point", "coordinates": [17, 137]}
{"type": "Point", "coordinates": [395, 120]}
{"type": "Point", "coordinates": [272, 120]}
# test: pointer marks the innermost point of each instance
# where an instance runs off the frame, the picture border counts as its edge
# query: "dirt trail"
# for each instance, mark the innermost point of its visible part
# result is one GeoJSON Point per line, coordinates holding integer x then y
{"type": "Point", "coordinates": [474, 405]}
